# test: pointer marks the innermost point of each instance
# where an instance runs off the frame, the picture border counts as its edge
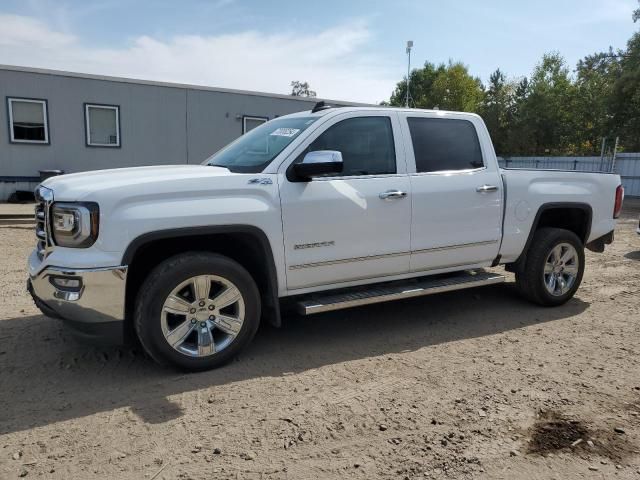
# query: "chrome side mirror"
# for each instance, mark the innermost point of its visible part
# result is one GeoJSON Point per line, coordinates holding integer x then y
{"type": "Point", "coordinates": [319, 163]}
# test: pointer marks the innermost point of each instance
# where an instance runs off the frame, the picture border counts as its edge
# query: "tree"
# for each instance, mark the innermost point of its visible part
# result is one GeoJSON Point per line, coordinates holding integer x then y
{"type": "Point", "coordinates": [595, 78]}
{"type": "Point", "coordinates": [448, 87]}
{"type": "Point", "coordinates": [636, 14]}
{"type": "Point", "coordinates": [625, 97]}
{"type": "Point", "coordinates": [455, 89]}
{"type": "Point", "coordinates": [497, 109]}
{"type": "Point", "coordinates": [301, 89]}
{"type": "Point", "coordinates": [549, 107]}
{"type": "Point", "coordinates": [420, 87]}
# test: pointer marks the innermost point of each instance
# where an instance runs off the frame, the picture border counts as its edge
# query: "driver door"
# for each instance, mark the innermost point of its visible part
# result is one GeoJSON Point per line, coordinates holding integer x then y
{"type": "Point", "coordinates": [355, 226]}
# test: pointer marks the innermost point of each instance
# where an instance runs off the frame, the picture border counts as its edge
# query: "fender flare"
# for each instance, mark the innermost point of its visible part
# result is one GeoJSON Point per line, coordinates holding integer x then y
{"type": "Point", "coordinates": [585, 207]}
{"type": "Point", "coordinates": [257, 233]}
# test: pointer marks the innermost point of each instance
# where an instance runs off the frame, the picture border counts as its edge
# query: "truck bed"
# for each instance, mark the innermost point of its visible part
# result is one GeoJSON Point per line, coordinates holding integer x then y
{"type": "Point", "coordinates": [529, 190]}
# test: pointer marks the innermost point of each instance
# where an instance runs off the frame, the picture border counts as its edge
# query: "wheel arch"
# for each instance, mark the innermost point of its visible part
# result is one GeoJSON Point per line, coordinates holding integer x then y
{"type": "Point", "coordinates": [246, 244]}
{"type": "Point", "coordinates": [573, 216]}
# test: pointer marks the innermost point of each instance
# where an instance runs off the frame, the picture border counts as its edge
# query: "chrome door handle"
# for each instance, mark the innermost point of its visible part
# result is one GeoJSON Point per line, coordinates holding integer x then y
{"type": "Point", "coordinates": [486, 189]}
{"type": "Point", "coordinates": [392, 195]}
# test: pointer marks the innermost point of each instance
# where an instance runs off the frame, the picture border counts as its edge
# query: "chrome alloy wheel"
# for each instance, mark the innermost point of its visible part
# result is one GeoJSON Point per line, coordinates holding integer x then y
{"type": "Point", "coordinates": [561, 269]}
{"type": "Point", "coordinates": [202, 315]}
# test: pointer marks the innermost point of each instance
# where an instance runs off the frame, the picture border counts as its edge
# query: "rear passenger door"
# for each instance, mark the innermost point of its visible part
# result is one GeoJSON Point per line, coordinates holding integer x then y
{"type": "Point", "coordinates": [456, 195]}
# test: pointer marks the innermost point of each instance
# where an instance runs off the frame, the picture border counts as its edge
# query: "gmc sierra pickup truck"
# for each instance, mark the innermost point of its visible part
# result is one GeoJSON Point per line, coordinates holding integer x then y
{"type": "Point", "coordinates": [320, 210]}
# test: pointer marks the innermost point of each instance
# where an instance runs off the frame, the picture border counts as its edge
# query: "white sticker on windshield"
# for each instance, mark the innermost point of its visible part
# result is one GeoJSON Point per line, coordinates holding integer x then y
{"type": "Point", "coordinates": [285, 132]}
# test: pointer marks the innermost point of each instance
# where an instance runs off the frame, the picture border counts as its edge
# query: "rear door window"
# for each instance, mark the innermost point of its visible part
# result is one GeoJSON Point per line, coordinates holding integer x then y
{"type": "Point", "coordinates": [441, 144]}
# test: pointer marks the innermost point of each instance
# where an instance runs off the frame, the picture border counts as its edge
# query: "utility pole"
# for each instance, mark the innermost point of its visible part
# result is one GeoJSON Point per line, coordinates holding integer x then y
{"type": "Point", "coordinates": [409, 47]}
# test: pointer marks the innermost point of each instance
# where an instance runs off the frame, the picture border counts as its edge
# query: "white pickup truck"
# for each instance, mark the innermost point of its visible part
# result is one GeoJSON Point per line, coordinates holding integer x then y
{"type": "Point", "coordinates": [321, 210]}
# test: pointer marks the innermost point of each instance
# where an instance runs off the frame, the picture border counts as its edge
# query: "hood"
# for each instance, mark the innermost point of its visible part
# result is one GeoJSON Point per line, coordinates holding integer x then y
{"type": "Point", "coordinates": [125, 181]}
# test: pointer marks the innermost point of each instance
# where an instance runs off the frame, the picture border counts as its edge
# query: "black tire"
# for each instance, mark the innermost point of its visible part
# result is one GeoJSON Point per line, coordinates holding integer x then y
{"type": "Point", "coordinates": [530, 275]}
{"type": "Point", "coordinates": [160, 283]}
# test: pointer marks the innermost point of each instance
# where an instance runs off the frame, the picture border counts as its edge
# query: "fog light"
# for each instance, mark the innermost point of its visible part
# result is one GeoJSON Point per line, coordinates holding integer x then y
{"type": "Point", "coordinates": [69, 284]}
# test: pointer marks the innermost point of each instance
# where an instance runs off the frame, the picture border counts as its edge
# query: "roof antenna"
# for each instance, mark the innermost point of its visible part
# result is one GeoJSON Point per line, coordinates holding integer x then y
{"type": "Point", "coordinates": [320, 106]}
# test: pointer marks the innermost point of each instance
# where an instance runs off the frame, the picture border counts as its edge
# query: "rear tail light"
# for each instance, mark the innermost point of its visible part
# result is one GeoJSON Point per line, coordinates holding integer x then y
{"type": "Point", "coordinates": [617, 208]}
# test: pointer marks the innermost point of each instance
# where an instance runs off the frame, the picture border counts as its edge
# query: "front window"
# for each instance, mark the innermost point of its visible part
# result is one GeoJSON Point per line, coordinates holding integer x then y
{"type": "Point", "coordinates": [252, 152]}
{"type": "Point", "coordinates": [366, 144]}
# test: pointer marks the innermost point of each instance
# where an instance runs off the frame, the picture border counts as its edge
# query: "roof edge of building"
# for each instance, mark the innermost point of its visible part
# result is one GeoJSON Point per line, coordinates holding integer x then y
{"type": "Point", "coordinates": [184, 86]}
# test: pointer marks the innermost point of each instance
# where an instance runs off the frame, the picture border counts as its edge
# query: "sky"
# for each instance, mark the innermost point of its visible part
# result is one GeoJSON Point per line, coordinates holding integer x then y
{"type": "Point", "coordinates": [346, 49]}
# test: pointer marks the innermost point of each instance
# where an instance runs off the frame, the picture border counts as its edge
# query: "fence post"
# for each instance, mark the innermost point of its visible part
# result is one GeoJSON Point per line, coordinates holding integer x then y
{"type": "Point", "coordinates": [613, 160]}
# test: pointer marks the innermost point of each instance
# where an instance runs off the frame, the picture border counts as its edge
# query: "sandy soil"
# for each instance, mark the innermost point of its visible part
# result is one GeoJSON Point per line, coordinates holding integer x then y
{"type": "Point", "coordinates": [474, 384]}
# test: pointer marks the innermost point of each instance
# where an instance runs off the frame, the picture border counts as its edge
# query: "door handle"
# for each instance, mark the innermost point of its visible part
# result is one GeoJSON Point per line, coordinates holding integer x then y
{"type": "Point", "coordinates": [486, 189]}
{"type": "Point", "coordinates": [392, 195]}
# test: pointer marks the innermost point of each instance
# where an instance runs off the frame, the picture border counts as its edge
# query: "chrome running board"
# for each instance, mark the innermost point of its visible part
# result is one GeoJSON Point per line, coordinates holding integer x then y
{"type": "Point", "coordinates": [396, 291]}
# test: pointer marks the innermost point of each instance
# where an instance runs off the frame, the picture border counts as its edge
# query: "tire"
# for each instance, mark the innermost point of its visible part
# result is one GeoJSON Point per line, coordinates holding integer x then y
{"type": "Point", "coordinates": [534, 282]}
{"type": "Point", "coordinates": [191, 312]}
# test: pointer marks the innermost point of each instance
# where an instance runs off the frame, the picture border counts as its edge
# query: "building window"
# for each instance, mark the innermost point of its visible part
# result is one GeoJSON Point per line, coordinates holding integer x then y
{"type": "Point", "coordinates": [28, 120]}
{"type": "Point", "coordinates": [249, 123]}
{"type": "Point", "coordinates": [102, 124]}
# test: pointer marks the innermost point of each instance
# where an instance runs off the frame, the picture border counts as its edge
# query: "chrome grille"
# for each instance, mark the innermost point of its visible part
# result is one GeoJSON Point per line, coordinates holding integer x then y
{"type": "Point", "coordinates": [44, 199]}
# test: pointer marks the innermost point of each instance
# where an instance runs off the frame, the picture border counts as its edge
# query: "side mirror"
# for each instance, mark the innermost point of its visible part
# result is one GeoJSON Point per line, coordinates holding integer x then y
{"type": "Point", "coordinates": [315, 164]}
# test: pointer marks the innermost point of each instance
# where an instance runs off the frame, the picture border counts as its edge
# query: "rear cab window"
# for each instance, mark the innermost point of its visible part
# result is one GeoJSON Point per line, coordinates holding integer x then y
{"type": "Point", "coordinates": [444, 144]}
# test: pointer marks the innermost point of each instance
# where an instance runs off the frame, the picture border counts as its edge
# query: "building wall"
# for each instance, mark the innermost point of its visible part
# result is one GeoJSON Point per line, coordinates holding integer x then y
{"type": "Point", "coordinates": [159, 123]}
{"type": "Point", "coordinates": [214, 118]}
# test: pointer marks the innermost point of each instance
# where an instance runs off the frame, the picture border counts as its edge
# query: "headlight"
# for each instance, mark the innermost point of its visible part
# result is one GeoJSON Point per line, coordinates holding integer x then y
{"type": "Point", "coordinates": [75, 225]}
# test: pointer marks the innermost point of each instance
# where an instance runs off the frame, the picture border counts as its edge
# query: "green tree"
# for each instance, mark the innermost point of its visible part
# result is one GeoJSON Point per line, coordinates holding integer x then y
{"type": "Point", "coordinates": [625, 97]}
{"type": "Point", "coordinates": [455, 89]}
{"type": "Point", "coordinates": [448, 87]}
{"type": "Point", "coordinates": [498, 109]}
{"type": "Point", "coordinates": [520, 131]}
{"type": "Point", "coordinates": [420, 87]}
{"type": "Point", "coordinates": [549, 107]}
{"type": "Point", "coordinates": [595, 78]}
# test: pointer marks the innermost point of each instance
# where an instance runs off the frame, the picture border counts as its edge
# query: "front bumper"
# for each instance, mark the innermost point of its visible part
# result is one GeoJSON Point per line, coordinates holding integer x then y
{"type": "Point", "coordinates": [95, 310]}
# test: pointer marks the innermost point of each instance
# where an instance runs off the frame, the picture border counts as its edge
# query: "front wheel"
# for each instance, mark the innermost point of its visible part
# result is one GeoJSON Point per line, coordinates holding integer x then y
{"type": "Point", "coordinates": [197, 310]}
{"type": "Point", "coordinates": [553, 268]}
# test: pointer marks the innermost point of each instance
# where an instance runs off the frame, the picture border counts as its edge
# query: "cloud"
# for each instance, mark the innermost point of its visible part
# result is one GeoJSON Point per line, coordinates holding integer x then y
{"type": "Point", "coordinates": [331, 60]}
{"type": "Point", "coordinates": [24, 33]}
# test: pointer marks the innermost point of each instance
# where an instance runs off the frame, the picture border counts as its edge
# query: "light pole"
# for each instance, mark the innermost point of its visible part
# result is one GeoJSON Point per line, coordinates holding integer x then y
{"type": "Point", "coordinates": [409, 47]}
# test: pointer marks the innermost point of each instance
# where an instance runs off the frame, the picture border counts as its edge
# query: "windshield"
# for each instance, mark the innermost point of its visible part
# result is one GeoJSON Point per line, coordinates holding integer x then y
{"type": "Point", "coordinates": [254, 150]}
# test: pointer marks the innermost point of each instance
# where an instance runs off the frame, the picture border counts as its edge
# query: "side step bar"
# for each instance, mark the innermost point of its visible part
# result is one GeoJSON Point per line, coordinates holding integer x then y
{"type": "Point", "coordinates": [397, 291]}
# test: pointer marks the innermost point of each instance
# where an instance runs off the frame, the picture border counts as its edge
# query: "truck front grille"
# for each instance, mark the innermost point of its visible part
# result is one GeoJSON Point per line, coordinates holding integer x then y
{"type": "Point", "coordinates": [44, 199]}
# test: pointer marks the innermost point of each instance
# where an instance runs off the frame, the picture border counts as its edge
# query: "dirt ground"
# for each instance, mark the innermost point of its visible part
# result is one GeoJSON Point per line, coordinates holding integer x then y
{"type": "Point", "coordinates": [473, 384]}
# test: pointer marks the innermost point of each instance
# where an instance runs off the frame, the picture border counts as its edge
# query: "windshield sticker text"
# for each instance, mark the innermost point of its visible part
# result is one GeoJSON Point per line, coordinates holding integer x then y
{"type": "Point", "coordinates": [285, 132]}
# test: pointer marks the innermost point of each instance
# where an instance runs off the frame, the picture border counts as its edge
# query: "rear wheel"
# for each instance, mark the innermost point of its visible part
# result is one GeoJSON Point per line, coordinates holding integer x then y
{"type": "Point", "coordinates": [553, 269]}
{"type": "Point", "coordinates": [197, 310]}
